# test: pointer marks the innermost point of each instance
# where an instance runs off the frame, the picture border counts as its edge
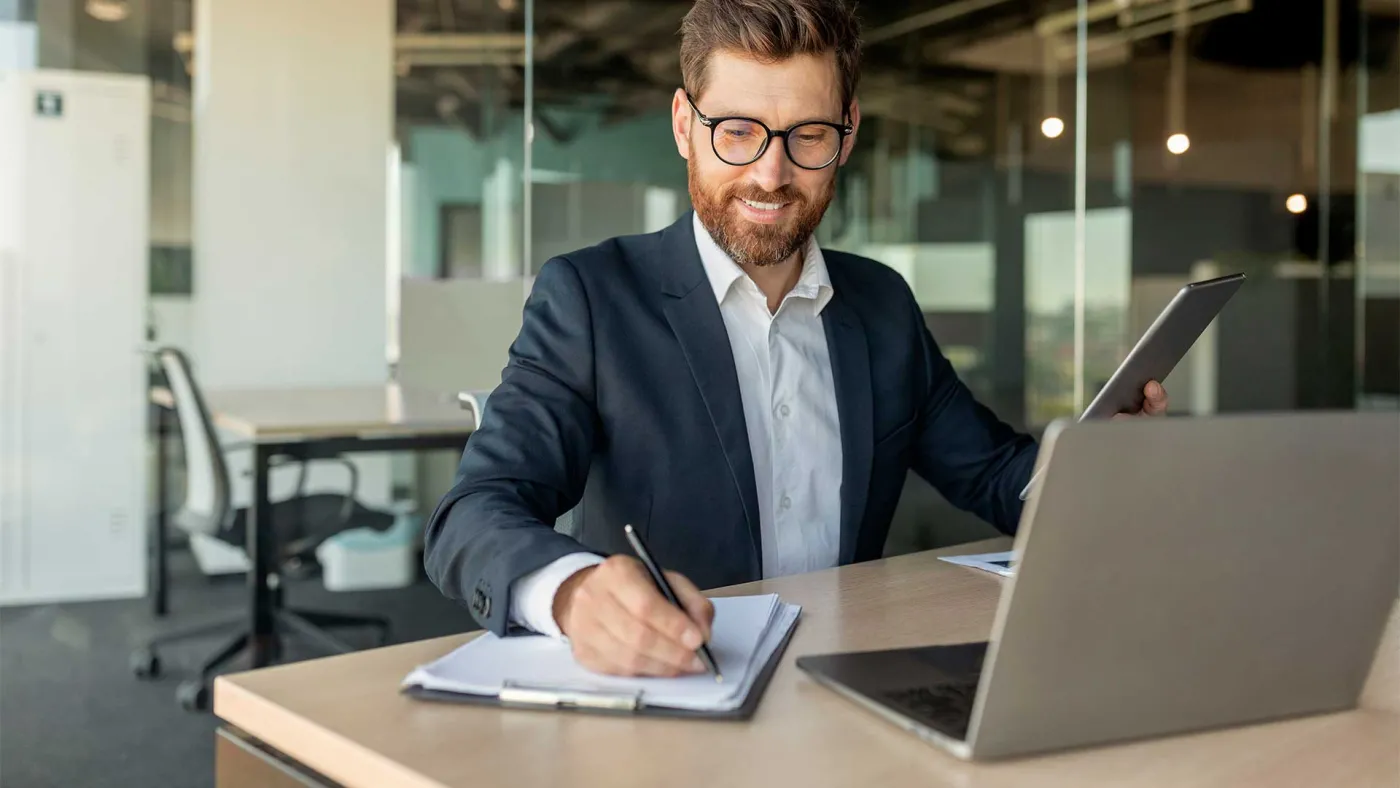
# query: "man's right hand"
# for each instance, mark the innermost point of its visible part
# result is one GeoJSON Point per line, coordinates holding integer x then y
{"type": "Point", "coordinates": [618, 622]}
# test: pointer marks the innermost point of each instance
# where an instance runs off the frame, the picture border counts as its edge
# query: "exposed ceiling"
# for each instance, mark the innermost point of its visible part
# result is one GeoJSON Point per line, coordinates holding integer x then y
{"type": "Point", "coordinates": [942, 64]}
{"type": "Point", "coordinates": [931, 62]}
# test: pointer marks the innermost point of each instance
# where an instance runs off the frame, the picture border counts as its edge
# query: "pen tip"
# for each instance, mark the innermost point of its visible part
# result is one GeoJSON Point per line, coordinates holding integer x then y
{"type": "Point", "coordinates": [719, 679]}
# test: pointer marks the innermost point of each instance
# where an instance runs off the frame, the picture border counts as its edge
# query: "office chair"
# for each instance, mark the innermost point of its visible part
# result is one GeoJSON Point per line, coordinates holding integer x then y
{"type": "Point", "coordinates": [299, 524]}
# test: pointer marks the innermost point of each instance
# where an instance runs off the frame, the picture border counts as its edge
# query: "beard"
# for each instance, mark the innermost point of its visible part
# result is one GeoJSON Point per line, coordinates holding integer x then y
{"type": "Point", "coordinates": [750, 243]}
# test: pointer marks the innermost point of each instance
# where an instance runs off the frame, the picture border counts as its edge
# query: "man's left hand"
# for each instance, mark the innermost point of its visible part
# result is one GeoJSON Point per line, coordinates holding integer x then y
{"type": "Point", "coordinates": [1154, 402]}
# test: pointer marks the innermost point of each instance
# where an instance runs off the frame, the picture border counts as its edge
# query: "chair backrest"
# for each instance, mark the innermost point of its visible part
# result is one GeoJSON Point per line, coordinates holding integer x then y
{"type": "Point", "coordinates": [206, 506]}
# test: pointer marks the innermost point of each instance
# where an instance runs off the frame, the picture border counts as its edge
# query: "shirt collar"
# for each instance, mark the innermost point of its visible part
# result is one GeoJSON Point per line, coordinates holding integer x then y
{"type": "Point", "coordinates": [813, 283]}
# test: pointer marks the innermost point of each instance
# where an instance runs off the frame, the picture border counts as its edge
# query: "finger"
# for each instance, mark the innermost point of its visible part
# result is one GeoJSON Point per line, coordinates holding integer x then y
{"type": "Point", "coordinates": [636, 592]}
{"type": "Point", "coordinates": [607, 655]}
{"type": "Point", "coordinates": [700, 609]}
{"type": "Point", "coordinates": [599, 650]}
{"type": "Point", "coordinates": [1155, 402]}
{"type": "Point", "coordinates": [642, 648]}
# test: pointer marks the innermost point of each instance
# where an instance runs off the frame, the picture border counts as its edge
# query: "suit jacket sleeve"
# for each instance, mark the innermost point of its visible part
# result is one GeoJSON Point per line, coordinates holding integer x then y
{"type": "Point", "coordinates": [979, 463]}
{"type": "Point", "coordinates": [527, 463]}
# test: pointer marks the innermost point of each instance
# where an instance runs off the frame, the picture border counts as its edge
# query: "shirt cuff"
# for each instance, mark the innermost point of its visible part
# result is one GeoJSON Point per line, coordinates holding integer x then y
{"type": "Point", "coordinates": [532, 595]}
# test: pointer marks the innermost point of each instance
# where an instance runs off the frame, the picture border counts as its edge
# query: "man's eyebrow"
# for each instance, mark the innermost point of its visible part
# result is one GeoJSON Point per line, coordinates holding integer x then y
{"type": "Point", "coordinates": [725, 112]}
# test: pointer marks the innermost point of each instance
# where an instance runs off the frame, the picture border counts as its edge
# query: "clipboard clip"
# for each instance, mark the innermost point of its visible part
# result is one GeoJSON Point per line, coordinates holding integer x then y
{"type": "Point", "coordinates": [516, 694]}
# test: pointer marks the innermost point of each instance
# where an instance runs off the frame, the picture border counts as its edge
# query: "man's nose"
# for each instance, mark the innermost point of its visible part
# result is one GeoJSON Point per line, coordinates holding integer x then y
{"type": "Point", "coordinates": [772, 170]}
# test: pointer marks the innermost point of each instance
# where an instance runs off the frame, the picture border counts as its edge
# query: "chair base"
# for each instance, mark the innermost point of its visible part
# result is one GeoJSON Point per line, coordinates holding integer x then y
{"type": "Point", "coordinates": [309, 625]}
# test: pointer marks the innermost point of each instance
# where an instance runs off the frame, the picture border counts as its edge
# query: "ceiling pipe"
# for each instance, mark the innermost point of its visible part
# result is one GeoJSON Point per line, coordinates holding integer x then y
{"type": "Point", "coordinates": [419, 42]}
{"type": "Point", "coordinates": [1205, 12]}
{"type": "Point", "coordinates": [927, 19]}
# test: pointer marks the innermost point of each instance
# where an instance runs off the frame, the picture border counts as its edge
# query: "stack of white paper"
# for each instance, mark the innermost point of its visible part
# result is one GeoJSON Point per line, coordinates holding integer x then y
{"type": "Point", "coordinates": [747, 630]}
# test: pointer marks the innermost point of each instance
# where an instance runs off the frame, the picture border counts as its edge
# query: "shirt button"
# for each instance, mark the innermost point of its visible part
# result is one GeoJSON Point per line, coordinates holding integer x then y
{"type": "Point", "coordinates": [785, 503]}
{"type": "Point", "coordinates": [784, 410]}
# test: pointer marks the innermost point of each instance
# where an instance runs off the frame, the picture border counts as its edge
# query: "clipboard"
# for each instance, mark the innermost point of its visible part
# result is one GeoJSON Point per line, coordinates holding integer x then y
{"type": "Point", "coordinates": [589, 701]}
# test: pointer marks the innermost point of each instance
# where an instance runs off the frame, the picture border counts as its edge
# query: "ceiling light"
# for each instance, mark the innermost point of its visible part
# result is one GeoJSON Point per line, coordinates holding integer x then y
{"type": "Point", "coordinates": [108, 10]}
{"type": "Point", "coordinates": [1296, 203]}
{"type": "Point", "coordinates": [1178, 143]}
{"type": "Point", "coordinates": [1052, 127]}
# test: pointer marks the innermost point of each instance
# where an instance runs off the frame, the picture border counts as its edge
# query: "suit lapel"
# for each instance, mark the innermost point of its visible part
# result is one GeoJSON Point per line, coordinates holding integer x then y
{"type": "Point", "coordinates": [850, 367]}
{"type": "Point", "coordinates": [695, 318]}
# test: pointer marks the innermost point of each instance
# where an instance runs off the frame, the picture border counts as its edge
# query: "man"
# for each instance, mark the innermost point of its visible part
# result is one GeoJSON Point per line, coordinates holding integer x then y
{"type": "Point", "coordinates": [750, 402]}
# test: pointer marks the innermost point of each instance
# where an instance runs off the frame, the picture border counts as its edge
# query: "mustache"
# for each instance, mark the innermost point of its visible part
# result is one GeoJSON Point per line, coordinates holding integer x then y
{"type": "Point", "coordinates": [748, 191]}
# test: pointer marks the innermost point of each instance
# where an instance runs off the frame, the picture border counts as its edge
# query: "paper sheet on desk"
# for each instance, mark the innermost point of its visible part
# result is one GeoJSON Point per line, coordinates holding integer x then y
{"type": "Point", "coordinates": [1003, 564]}
{"type": "Point", "coordinates": [746, 631]}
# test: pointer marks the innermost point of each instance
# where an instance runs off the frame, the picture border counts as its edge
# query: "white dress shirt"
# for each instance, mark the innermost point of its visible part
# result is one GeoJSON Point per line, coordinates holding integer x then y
{"type": "Point", "coordinates": [789, 398]}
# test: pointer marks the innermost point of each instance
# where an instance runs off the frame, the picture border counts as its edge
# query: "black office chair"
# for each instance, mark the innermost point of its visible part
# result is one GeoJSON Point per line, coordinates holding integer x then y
{"type": "Point", "coordinates": [299, 524]}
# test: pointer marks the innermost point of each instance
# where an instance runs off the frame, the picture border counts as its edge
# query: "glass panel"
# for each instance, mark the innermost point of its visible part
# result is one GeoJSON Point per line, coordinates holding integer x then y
{"type": "Point", "coordinates": [460, 93]}
{"type": "Point", "coordinates": [603, 161]}
{"type": "Point", "coordinates": [1378, 208]}
{"type": "Point", "coordinates": [1229, 128]}
{"type": "Point", "coordinates": [954, 184]}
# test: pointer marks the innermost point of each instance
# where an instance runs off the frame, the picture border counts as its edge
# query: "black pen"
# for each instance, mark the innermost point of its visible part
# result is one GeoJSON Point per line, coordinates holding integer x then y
{"type": "Point", "coordinates": [638, 547]}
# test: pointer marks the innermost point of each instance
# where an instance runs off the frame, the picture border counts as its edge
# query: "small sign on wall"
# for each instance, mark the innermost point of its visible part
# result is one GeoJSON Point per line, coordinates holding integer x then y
{"type": "Point", "coordinates": [48, 104]}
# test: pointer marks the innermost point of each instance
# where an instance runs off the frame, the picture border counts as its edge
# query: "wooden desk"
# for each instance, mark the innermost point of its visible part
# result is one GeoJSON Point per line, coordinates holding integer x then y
{"type": "Point", "coordinates": [264, 415]}
{"type": "Point", "coordinates": [343, 719]}
{"type": "Point", "coordinates": [302, 424]}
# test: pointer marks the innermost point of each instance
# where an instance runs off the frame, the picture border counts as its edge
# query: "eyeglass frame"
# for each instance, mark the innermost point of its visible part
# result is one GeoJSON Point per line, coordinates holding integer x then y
{"type": "Point", "coordinates": [843, 129]}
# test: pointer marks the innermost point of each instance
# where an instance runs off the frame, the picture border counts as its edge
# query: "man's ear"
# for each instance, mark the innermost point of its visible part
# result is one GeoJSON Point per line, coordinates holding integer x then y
{"type": "Point", "coordinates": [681, 118]}
{"type": "Point", "coordinates": [850, 141]}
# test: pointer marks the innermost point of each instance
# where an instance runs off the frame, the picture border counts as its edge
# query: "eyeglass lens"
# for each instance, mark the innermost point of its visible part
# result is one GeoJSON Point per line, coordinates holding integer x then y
{"type": "Point", "coordinates": [809, 145]}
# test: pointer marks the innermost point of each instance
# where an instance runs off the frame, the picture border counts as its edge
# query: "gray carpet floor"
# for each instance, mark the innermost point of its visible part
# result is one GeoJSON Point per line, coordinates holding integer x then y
{"type": "Point", "coordinates": [72, 714]}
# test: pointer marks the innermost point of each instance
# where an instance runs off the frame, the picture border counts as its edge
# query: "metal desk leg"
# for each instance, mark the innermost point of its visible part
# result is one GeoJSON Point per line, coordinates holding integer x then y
{"type": "Point", "coordinates": [160, 581]}
{"type": "Point", "coordinates": [261, 543]}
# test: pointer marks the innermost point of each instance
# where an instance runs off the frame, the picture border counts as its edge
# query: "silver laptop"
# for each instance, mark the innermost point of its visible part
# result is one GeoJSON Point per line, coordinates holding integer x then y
{"type": "Point", "coordinates": [1173, 575]}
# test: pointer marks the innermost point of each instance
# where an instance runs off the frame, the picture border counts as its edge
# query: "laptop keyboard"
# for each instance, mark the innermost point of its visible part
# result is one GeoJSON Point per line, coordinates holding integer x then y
{"type": "Point", "coordinates": [946, 707]}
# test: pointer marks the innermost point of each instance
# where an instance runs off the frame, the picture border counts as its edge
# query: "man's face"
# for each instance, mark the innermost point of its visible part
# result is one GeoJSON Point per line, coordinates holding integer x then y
{"type": "Point", "coordinates": [764, 212]}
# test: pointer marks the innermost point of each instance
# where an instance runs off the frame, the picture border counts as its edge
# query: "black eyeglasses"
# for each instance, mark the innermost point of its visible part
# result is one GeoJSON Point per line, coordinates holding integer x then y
{"type": "Point", "coordinates": [812, 145]}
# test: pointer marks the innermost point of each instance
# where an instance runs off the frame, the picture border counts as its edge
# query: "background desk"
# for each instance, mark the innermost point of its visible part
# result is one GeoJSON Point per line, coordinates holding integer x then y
{"type": "Point", "coordinates": [303, 424]}
{"type": "Point", "coordinates": [343, 718]}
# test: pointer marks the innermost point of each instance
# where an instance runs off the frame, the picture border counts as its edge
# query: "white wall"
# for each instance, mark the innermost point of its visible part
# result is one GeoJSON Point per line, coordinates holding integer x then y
{"type": "Point", "coordinates": [293, 111]}
{"type": "Point", "coordinates": [293, 114]}
{"type": "Point", "coordinates": [73, 252]}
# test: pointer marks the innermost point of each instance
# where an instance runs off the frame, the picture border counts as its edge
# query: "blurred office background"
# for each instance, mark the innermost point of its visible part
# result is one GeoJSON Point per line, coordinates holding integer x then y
{"type": "Point", "coordinates": [333, 193]}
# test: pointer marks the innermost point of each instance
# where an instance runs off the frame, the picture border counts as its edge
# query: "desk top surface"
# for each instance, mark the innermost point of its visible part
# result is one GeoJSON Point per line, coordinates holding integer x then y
{"type": "Point", "coordinates": [343, 716]}
{"type": "Point", "coordinates": [326, 412]}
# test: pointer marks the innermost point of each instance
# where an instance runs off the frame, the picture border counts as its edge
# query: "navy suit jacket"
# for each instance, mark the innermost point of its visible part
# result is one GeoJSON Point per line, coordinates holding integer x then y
{"type": "Point", "coordinates": [621, 398]}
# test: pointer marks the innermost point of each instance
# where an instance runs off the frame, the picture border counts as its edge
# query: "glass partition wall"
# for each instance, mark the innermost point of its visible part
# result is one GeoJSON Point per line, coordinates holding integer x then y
{"type": "Point", "coordinates": [1044, 175]}
{"type": "Point", "coordinates": [1377, 272]}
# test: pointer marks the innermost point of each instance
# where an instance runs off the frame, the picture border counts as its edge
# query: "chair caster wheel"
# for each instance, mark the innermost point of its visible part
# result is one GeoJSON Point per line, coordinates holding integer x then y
{"type": "Point", "coordinates": [192, 696]}
{"type": "Point", "coordinates": [145, 664]}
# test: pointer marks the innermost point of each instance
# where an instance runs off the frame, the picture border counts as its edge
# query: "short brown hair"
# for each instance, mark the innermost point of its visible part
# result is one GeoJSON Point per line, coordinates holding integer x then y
{"type": "Point", "coordinates": [769, 31]}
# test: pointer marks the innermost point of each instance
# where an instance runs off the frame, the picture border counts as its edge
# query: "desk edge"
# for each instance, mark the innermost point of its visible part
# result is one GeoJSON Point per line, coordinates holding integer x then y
{"type": "Point", "coordinates": [320, 749]}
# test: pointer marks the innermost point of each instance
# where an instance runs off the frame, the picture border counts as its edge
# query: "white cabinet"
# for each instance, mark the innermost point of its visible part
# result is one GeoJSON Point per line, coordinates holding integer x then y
{"type": "Point", "coordinates": [74, 196]}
